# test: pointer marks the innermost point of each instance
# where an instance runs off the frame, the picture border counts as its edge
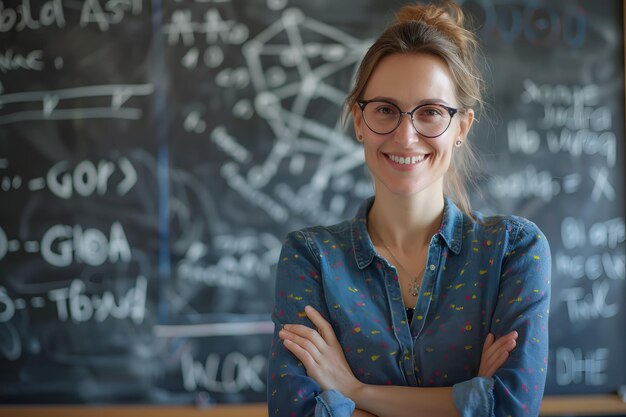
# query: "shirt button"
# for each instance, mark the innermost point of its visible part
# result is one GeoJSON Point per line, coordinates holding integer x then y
{"type": "Point", "coordinates": [433, 267]}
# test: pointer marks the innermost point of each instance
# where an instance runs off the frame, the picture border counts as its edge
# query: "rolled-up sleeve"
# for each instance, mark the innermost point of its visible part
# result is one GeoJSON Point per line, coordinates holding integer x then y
{"type": "Point", "coordinates": [523, 305]}
{"type": "Point", "coordinates": [298, 284]}
{"type": "Point", "coordinates": [333, 404]}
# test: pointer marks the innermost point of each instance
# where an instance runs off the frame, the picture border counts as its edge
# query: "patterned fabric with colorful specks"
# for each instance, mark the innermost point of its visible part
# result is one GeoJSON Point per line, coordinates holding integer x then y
{"type": "Point", "coordinates": [487, 276]}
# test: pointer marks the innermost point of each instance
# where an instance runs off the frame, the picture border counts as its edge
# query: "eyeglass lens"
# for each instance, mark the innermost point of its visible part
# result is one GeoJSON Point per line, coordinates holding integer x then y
{"type": "Point", "coordinates": [430, 120]}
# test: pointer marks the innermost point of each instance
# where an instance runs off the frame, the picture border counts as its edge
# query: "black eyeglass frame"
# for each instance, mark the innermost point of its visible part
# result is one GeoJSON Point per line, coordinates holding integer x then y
{"type": "Point", "coordinates": [451, 111]}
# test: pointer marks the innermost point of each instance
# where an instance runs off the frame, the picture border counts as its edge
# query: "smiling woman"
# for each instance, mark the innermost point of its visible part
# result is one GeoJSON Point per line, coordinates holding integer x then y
{"type": "Point", "coordinates": [419, 305]}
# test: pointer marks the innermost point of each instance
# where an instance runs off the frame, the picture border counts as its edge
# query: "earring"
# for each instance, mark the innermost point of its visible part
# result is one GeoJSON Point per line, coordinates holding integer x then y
{"type": "Point", "coordinates": [458, 143]}
{"type": "Point", "coordinates": [360, 138]}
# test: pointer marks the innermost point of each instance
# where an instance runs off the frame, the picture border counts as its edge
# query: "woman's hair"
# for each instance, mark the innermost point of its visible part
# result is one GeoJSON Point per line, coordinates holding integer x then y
{"type": "Point", "coordinates": [438, 30]}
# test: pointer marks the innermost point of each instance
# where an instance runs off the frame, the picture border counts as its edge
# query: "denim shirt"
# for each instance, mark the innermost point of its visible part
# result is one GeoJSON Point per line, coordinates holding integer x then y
{"type": "Point", "coordinates": [487, 276]}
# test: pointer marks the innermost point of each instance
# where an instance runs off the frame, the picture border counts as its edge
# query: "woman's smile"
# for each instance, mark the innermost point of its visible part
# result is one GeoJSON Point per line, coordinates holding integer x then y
{"type": "Point", "coordinates": [406, 161]}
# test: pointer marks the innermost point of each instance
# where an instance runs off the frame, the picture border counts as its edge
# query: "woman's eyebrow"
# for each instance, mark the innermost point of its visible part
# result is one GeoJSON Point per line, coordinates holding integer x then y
{"type": "Point", "coordinates": [419, 103]}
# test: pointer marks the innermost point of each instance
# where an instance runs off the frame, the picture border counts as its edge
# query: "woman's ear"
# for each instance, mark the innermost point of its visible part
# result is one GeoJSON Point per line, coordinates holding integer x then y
{"type": "Point", "coordinates": [465, 124]}
{"type": "Point", "coordinates": [357, 118]}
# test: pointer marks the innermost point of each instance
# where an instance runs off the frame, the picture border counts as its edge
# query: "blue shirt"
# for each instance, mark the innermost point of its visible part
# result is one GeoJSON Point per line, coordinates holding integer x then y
{"type": "Point", "coordinates": [487, 276]}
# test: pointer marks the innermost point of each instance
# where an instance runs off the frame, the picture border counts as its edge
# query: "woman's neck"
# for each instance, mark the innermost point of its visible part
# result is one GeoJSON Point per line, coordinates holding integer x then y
{"type": "Point", "coordinates": [405, 222]}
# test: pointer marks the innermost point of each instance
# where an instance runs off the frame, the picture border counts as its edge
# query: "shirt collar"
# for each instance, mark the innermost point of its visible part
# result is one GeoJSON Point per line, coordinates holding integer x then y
{"type": "Point", "coordinates": [451, 231]}
{"type": "Point", "coordinates": [364, 250]}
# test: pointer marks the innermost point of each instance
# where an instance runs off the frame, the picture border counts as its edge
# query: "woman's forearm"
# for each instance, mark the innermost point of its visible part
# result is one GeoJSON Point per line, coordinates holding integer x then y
{"type": "Point", "coordinates": [397, 401]}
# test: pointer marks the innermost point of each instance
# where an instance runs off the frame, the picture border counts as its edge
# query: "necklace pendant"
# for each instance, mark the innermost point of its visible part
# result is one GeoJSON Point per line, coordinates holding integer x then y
{"type": "Point", "coordinates": [414, 288]}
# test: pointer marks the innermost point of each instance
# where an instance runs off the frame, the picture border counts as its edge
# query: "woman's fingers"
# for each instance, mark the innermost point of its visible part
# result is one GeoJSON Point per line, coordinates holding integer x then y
{"type": "Point", "coordinates": [302, 336]}
{"type": "Point", "coordinates": [497, 363]}
{"type": "Point", "coordinates": [496, 352]}
{"type": "Point", "coordinates": [488, 342]}
{"type": "Point", "coordinates": [324, 327]}
{"type": "Point", "coordinates": [302, 354]}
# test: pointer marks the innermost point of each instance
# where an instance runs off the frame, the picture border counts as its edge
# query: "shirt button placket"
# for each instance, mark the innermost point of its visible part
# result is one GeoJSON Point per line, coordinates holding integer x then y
{"type": "Point", "coordinates": [408, 362]}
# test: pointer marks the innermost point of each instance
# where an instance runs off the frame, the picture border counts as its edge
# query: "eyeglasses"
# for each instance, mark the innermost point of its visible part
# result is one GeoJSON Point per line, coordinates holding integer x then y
{"type": "Point", "coordinates": [429, 120]}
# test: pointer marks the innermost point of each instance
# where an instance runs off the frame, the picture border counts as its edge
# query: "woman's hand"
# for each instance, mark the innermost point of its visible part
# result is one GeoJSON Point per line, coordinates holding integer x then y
{"type": "Point", "coordinates": [496, 352]}
{"type": "Point", "coordinates": [320, 353]}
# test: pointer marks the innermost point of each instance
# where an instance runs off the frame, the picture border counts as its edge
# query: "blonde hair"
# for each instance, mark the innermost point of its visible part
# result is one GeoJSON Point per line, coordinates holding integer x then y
{"type": "Point", "coordinates": [438, 30]}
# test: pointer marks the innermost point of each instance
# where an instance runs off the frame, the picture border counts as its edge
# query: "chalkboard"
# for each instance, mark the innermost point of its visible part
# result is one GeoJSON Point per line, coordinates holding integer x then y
{"type": "Point", "coordinates": [153, 155]}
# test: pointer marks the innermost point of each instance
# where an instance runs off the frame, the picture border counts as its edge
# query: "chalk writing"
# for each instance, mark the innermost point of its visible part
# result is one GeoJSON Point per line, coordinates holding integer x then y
{"type": "Point", "coordinates": [61, 245]}
{"type": "Point", "coordinates": [8, 306]}
{"type": "Point", "coordinates": [21, 16]}
{"type": "Point", "coordinates": [584, 142]}
{"type": "Point", "coordinates": [576, 366]}
{"type": "Point", "coordinates": [588, 306]}
{"type": "Point", "coordinates": [229, 145]}
{"type": "Point", "coordinates": [533, 23]}
{"type": "Point", "coordinates": [524, 184]}
{"type": "Point", "coordinates": [233, 270]}
{"type": "Point", "coordinates": [87, 178]}
{"type": "Point", "coordinates": [577, 96]}
{"type": "Point", "coordinates": [232, 373]}
{"type": "Point", "coordinates": [32, 60]}
{"type": "Point", "coordinates": [4, 243]}
{"type": "Point", "coordinates": [105, 13]}
{"type": "Point", "coordinates": [609, 233]}
{"type": "Point", "coordinates": [50, 100]}
{"type": "Point", "coordinates": [573, 122]}
{"type": "Point", "coordinates": [602, 187]}
{"type": "Point", "coordinates": [214, 27]}
{"type": "Point", "coordinates": [75, 304]}
{"type": "Point", "coordinates": [591, 267]}
{"type": "Point", "coordinates": [230, 173]}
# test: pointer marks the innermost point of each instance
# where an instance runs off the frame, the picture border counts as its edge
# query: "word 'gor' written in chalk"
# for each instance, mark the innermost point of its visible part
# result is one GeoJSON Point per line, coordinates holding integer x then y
{"type": "Point", "coordinates": [86, 178]}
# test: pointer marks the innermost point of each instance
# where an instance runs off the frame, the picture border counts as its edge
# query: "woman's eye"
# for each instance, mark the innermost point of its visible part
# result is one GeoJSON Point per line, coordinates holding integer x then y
{"type": "Point", "coordinates": [386, 110]}
{"type": "Point", "coordinates": [431, 111]}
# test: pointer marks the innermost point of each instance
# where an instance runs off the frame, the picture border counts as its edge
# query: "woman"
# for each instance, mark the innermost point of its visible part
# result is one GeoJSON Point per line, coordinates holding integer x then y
{"type": "Point", "coordinates": [417, 306]}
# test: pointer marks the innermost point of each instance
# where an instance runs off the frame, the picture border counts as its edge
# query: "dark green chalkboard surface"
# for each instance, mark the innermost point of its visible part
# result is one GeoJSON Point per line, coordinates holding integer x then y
{"type": "Point", "coordinates": [153, 154]}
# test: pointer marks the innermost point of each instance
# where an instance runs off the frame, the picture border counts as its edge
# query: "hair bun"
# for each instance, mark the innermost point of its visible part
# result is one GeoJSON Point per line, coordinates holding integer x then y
{"type": "Point", "coordinates": [447, 18]}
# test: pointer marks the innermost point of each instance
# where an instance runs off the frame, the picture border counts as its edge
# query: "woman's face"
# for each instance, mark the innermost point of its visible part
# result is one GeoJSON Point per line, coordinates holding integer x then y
{"type": "Point", "coordinates": [410, 80]}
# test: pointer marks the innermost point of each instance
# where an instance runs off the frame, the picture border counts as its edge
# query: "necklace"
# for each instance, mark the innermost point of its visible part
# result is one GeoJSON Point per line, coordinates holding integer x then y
{"type": "Point", "coordinates": [414, 286]}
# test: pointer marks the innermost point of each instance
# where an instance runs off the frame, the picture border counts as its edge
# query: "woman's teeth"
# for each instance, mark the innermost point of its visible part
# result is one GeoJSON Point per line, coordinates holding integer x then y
{"type": "Point", "coordinates": [409, 160]}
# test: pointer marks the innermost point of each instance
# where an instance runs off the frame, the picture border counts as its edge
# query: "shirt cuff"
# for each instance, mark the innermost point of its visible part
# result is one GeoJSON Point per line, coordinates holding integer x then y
{"type": "Point", "coordinates": [474, 397]}
{"type": "Point", "coordinates": [332, 403]}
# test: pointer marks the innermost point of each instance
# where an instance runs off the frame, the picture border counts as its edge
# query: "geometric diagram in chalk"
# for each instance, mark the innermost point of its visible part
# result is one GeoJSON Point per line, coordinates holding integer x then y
{"type": "Point", "coordinates": [292, 64]}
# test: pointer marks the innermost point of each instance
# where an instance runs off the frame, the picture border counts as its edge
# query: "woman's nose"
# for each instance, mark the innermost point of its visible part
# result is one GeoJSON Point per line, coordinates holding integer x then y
{"type": "Point", "coordinates": [405, 133]}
